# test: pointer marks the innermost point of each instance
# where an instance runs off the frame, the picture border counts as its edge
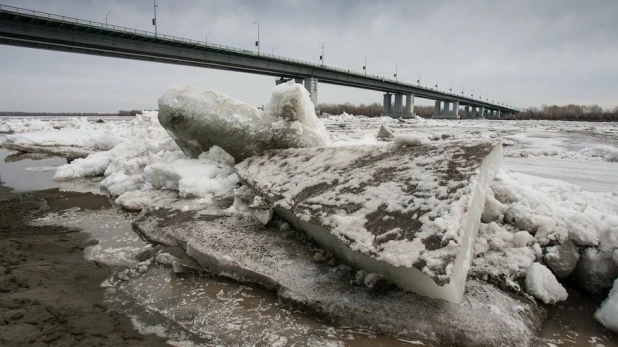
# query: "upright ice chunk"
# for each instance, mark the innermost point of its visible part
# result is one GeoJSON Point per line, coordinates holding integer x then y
{"type": "Point", "coordinates": [607, 314]}
{"type": "Point", "coordinates": [200, 119]}
{"type": "Point", "coordinates": [410, 213]}
{"type": "Point", "coordinates": [543, 285]}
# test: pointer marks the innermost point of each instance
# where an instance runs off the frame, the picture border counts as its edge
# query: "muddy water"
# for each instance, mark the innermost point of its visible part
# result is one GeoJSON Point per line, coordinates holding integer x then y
{"type": "Point", "coordinates": [214, 311]}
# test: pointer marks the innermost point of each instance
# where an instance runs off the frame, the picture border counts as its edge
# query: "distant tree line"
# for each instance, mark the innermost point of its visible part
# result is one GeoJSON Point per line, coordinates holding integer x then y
{"type": "Point", "coordinates": [592, 113]}
{"type": "Point", "coordinates": [123, 113]}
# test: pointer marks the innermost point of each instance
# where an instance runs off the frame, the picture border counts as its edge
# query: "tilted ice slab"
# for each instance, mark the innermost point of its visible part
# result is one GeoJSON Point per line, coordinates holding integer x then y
{"type": "Point", "coordinates": [281, 261]}
{"type": "Point", "coordinates": [199, 119]}
{"type": "Point", "coordinates": [410, 213]}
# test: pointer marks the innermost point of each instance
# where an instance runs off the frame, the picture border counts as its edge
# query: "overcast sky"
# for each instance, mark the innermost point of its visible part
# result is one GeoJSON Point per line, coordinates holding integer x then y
{"type": "Point", "coordinates": [524, 53]}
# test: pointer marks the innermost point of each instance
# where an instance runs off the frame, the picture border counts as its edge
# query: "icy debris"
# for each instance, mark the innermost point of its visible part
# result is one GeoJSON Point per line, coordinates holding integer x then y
{"type": "Point", "coordinates": [543, 285]}
{"type": "Point", "coordinates": [165, 259]}
{"type": "Point", "coordinates": [521, 217]}
{"type": "Point", "coordinates": [410, 213]}
{"type": "Point", "coordinates": [606, 152]}
{"type": "Point", "coordinates": [261, 210]}
{"type": "Point", "coordinates": [502, 255]}
{"type": "Point", "coordinates": [375, 283]}
{"type": "Point", "coordinates": [562, 259]}
{"type": "Point", "coordinates": [409, 140]}
{"type": "Point", "coordinates": [579, 226]}
{"type": "Point", "coordinates": [607, 314]}
{"type": "Point", "coordinates": [493, 210]}
{"type": "Point", "coordinates": [199, 119]}
{"type": "Point", "coordinates": [91, 140]}
{"type": "Point", "coordinates": [236, 249]}
{"type": "Point", "coordinates": [522, 239]}
{"type": "Point", "coordinates": [385, 133]}
{"type": "Point", "coordinates": [359, 277]}
{"type": "Point", "coordinates": [595, 271]}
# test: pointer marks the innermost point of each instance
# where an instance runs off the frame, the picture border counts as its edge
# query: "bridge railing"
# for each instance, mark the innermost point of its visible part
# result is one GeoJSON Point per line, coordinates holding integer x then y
{"type": "Point", "coordinates": [117, 28]}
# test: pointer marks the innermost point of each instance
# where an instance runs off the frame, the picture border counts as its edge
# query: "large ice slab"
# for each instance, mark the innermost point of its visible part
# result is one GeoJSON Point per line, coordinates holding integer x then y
{"type": "Point", "coordinates": [282, 261]}
{"type": "Point", "coordinates": [199, 119]}
{"type": "Point", "coordinates": [410, 212]}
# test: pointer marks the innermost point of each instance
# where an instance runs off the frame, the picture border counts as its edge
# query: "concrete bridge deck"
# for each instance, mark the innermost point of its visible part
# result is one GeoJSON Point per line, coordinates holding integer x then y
{"type": "Point", "coordinates": [32, 29]}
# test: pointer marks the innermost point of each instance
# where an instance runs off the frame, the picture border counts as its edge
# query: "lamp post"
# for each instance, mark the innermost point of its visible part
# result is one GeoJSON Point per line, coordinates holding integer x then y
{"type": "Point", "coordinates": [272, 51]}
{"type": "Point", "coordinates": [395, 75]}
{"type": "Point", "coordinates": [322, 55]}
{"type": "Point", "coordinates": [154, 20]}
{"type": "Point", "coordinates": [419, 79]}
{"type": "Point", "coordinates": [207, 38]}
{"type": "Point", "coordinates": [365, 66]}
{"type": "Point", "coordinates": [257, 43]}
{"type": "Point", "coordinates": [106, 18]}
{"type": "Point", "coordinates": [436, 83]}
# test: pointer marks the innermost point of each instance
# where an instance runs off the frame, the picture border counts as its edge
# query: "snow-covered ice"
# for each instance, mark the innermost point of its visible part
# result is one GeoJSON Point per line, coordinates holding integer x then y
{"type": "Point", "coordinates": [407, 211]}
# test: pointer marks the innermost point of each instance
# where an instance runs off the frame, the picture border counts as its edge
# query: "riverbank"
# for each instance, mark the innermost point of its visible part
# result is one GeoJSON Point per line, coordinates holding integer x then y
{"type": "Point", "coordinates": [49, 294]}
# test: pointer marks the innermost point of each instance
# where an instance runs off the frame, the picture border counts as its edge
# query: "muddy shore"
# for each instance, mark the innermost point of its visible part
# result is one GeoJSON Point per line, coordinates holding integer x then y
{"type": "Point", "coordinates": [49, 294]}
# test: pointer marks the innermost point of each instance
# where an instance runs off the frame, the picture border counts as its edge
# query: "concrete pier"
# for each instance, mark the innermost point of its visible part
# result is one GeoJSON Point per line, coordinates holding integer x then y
{"type": "Point", "coordinates": [450, 110]}
{"type": "Point", "coordinates": [398, 110]}
{"type": "Point", "coordinates": [311, 84]}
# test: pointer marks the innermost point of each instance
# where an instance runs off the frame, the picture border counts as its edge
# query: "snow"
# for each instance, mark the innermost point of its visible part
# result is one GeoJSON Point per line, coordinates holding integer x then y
{"type": "Point", "coordinates": [607, 314]}
{"type": "Point", "coordinates": [543, 285]}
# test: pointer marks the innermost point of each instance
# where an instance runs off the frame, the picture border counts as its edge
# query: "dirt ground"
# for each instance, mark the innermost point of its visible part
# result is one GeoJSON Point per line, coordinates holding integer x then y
{"type": "Point", "coordinates": [49, 294]}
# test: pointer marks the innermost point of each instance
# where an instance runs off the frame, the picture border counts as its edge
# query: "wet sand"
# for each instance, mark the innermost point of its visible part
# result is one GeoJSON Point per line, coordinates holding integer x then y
{"type": "Point", "coordinates": [49, 294]}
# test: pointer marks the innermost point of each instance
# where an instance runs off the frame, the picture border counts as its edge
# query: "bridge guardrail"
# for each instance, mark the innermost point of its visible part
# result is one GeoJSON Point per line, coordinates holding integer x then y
{"type": "Point", "coordinates": [67, 19]}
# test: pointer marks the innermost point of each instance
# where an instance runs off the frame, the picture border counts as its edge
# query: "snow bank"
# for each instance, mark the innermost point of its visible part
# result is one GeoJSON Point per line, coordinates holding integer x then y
{"type": "Point", "coordinates": [199, 119]}
{"type": "Point", "coordinates": [607, 314]}
{"type": "Point", "coordinates": [543, 285]}
{"type": "Point", "coordinates": [149, 160]}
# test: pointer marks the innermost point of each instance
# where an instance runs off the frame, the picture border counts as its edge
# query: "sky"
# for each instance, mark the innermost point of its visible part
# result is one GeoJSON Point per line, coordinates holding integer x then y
{"type": "Point", "coordinates": [523, 53]}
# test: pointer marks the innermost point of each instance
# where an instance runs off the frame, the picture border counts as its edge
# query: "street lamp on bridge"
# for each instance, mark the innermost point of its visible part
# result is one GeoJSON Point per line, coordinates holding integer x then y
{"type": "Point", "coordinates": [395, 75]}
{"type": "Point", "coordinates": [154, 20]}
{"type": "Point", "coordinates": [272, 51]}
{"type": "Point", "coordinates": [322, 55]}
{"type": "Point", "coordinates": [106, 18]}
{"type": "Point", "coordinates": [257, 43]}
{"type": "Point", "coordinates": [207, 38]}
{"type": "Point", "coordinates": [365, 66]}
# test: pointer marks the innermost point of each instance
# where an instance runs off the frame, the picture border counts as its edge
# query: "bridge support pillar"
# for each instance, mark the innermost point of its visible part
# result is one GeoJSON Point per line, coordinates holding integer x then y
{"type": "Point", "coordinates": [398, 110]}
{"type": "Point", "coordinates": [311, 84]}
{"type": "Point", "coordinates": [499, 114]}
{"type": "Point", "coordinates": [386, 107]}
{"type": "Point", "coordinates": [409, 105]}
{"type": "Point", "coordinates": [448, 112]}
{"type": "Point", "coordinates": [467, 112]}
{"type": "Point", "coordinates": [398, 103]}
{"type": "Point", "coordinates": [481, 113]}
{"type": "Point", "coordinates": [455, 113]}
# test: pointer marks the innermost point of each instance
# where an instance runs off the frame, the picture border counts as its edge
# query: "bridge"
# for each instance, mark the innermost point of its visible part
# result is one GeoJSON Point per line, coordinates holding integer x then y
{"type": "Point", "coordinates": [33, 29]}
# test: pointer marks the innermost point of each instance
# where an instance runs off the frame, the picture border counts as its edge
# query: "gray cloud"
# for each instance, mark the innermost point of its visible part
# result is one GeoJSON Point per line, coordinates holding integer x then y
{"type": "Point", "coordinates": [524, 53]}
